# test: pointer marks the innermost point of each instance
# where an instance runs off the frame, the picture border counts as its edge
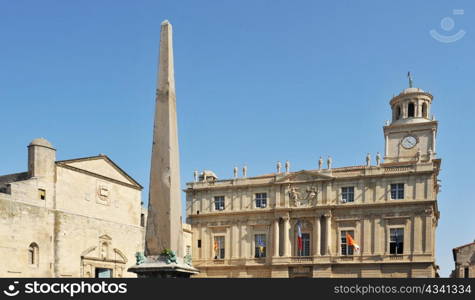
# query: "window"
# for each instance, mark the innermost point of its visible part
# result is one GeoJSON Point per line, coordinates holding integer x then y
{"type": "Point", "coordinates": [396, 240]}
{"type": "Point", "coordinates": [33, 254]}
{"type": "Point", "coordinates": [398, 112]}
{"type": "Point", "coordinates": [424, 110]}
{"type": "Point", "coordinates": [397, 191]}
{"type": "Point", "coordinates": [199, 243]}
{"type": "Point", "coordinates": [347, 194]}
{"type": "Point", "coordinates": [305, 245]}
{"type": "Point", "coordinates": [219, 203]}
{"type": "Point", "coordinates": [142, 220]}
{"type": "Point", "coordinates": [260, 245]}
{"type": "Point", "coordinates": [466, 272]}
{"type": "Point", "coordinates": [42, 194]}
{"type": "Point", "coordinates": [218, 247]}
{"type": "Point", "coordinates": [345, 248]}
{"type": "Point", "coordinates": [410, 110]}
{"type": "Point", "coordinates": [261, 200]}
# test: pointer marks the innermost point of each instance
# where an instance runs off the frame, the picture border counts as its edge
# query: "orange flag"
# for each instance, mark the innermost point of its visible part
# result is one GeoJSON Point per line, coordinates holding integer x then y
{"type": "Point", "coordinates": [351, 242]}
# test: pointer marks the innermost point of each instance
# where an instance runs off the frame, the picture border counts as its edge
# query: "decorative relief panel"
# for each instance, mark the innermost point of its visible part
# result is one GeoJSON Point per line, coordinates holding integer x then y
{"type": "Point", "coordinates": [303, 195]}
{"type": "Point", "coordinates": [103, 193]}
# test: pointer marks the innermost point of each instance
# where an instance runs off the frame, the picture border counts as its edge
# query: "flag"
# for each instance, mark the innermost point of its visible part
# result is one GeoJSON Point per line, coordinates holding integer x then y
{"type": "Point", "coordinates": [299, 236]}
{"type": "Point", "coordinates": [260, 245]}
{"type": "Point", "coordinates": [216, 246]}
{"type": "Point", "coordinates": [351, 242]}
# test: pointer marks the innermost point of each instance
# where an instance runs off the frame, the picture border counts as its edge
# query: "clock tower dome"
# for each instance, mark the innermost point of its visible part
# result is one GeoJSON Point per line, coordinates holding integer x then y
{"type": "Point", "coordinates": [411, 135]}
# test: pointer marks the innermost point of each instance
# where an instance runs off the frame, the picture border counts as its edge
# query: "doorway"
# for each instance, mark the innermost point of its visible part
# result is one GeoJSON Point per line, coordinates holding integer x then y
{"type": "Point", "coordinates": [103, 273]}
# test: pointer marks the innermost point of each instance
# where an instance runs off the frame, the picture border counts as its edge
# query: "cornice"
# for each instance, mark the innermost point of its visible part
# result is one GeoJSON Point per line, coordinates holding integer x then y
{"type": "Point", "coordinates": [62, 165]}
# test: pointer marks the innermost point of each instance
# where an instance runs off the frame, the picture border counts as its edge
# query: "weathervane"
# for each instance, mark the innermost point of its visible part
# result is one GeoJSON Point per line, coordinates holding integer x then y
{"type": "Point", "coordinates": [410, 79]}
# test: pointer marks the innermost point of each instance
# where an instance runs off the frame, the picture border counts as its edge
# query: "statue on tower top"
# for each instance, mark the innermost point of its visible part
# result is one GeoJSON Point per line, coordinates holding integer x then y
{"type": "Point", "coordinates": [409, 76]}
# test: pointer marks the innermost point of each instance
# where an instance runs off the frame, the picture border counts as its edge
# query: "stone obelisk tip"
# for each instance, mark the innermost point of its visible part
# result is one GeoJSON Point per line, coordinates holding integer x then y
{"type": "Point", "coordinates": [165, 22]}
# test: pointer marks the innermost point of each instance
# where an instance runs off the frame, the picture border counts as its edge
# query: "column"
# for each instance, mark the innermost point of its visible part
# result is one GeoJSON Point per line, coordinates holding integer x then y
{"type": "Point", "coordinates": [276, 238]}
{"type": "Point", "coordinates": [201, 253]}
{"type": "Point", "coordinates": [367, 235]}
{"type": "Point", "coordinates": [316, 236]}
{"type": "Point", "coordinates": [242, 242]}
{"type": "Point", "coordinates": [428, 231]}
{"type": "Point", "coordinates": [286, 197]}
{"type": "Point", "coordinates": [276, 196]}
{"type": "Point", "coordinates": [383, 238]}
{"type": "Point", "coordinates": [433, 140]}
{"type": "Point", "coordinates": [328, 234]}
{"type": "Point", "coordinates": [234, 241]}
{"type": "Point", "coordinates": [286, 236]}
{"type": "Point", "coordinates": [386, 146]}
{"type": "Point", "coordinates": [379, 236]}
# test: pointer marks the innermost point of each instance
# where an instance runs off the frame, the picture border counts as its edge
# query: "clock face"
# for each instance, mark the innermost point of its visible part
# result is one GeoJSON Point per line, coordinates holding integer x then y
{"type": "Point", "coordinates": [408, 142]}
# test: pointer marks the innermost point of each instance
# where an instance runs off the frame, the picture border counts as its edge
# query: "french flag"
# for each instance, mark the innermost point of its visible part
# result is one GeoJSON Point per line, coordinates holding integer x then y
{"type": "Point", "coordinates": [299, 236]}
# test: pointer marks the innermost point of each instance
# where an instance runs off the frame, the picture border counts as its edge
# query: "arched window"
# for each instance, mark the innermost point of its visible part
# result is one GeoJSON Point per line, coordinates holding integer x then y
{"type": "Point", "coordinates": [33, 254]}
{"type": "Point", "coordinates": [398, 112]}
{"type": "Point", "coordinates": [410, 110]}
{"type": "Point", "coordinates": [424, 110]}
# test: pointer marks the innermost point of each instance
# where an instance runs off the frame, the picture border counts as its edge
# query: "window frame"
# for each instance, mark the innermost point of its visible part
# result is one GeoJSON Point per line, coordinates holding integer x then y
{"type": "Point", "coordinates": [259, 201]}
{"type": "Point", "coordinates": [306, 244]}
{"type": "Point", "coordinates": [218, 200]}
{"type": "Point", "coordinates": [390, 241]}
{"type": "Point", "coordinates": [42, 194]}
{"type": "Point", "coordinates": [349, 191]}
{"type": "Point", "coordinates": [396, 192]}
{"type": "Point", "coordinates": [256, 251]}
{"type": "Point", "coordinates": [349, 251]}
{"type": "Point", "coordinates": [33, 255]}
{"type": "Point", "coordinates": [221, 246]}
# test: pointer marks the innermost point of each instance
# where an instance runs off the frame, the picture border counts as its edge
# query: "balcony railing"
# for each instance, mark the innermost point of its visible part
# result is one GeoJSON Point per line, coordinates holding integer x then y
{"type": "Point", "coordinates": [218, 261]}
{"type": "Point", "coordinates": [396, 257]}
{"type": "Point", "coordinates": [302, 258]}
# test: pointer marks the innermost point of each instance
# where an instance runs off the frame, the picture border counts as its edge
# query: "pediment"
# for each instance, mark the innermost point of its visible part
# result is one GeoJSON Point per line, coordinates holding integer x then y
{"type": "Point", "coordinates": [100, 165]}
{"type": "Point", "coordinates": [88, 250]}
{"type": "Point", "coordinates": [305, 176]}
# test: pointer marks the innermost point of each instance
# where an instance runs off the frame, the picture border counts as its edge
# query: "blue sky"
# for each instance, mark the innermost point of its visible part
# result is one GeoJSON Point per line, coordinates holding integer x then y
{"type": "Point", "coordinates": [257, 82]}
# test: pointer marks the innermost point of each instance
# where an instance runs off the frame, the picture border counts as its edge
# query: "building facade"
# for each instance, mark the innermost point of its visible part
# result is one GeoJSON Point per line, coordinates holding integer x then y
{"type": "Point", "coordinates": [375, 220]}
{"type": "Point", "coordinates": [74, 218]}
{"type": "Point", "coordinates": [464, 258]}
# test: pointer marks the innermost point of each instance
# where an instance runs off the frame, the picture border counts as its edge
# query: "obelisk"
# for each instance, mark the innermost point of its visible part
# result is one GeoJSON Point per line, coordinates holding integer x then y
{"type": "Point", "coordinates": [164, 235]}
{"type": "Point", "coordinates": [164, 221]}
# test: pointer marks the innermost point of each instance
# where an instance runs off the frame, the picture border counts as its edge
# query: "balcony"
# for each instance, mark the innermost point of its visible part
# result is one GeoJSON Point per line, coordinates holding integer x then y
{"type": "Point", "coordinates": [396, 257]}
{"type": "Point", "coordinates": [302, 259]}
{"type": "Point", "coordinates": [218, 261]}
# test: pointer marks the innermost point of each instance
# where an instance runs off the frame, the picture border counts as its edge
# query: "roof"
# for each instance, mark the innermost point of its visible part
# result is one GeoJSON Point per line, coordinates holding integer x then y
{"type": "Point", "coordinates": [41, 142]}
{"type": "Point", "coordinates": [454, 251]}
{"type": "Point", "coordinates": [412, 90]}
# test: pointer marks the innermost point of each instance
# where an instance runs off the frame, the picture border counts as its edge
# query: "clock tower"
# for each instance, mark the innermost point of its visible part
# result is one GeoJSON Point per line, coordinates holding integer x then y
{"type": "Point", "coordinates": [411, 135]}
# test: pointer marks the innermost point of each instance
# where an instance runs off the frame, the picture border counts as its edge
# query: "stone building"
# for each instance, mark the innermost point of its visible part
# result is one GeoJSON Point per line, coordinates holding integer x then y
{"type": "Point", "coordinates": [306, 223]}
{"type": "Point", "coordinates": [464, 258]}
{"type": "Point", "coordinates": [73, 218]}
